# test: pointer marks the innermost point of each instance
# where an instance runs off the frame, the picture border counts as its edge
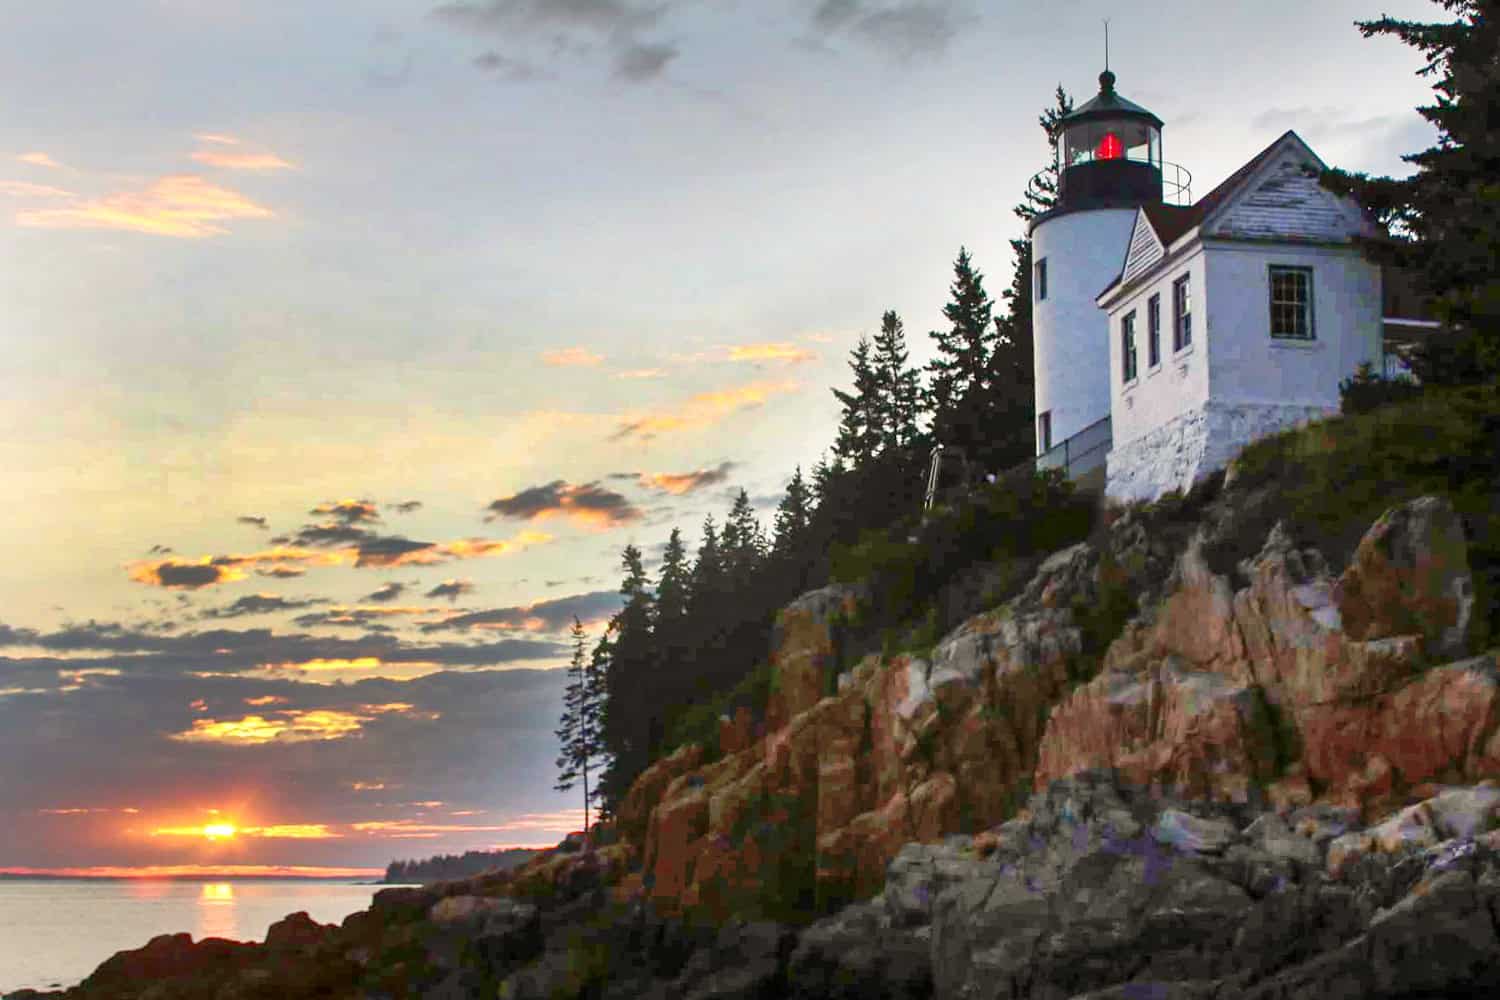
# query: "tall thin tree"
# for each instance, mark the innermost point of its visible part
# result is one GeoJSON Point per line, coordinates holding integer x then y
{"type": "Point", "coordinates": [578, 731]}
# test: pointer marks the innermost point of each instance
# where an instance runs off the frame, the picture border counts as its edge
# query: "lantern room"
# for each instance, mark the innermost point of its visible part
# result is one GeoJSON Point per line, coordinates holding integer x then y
{"type": "Point", "coordinates": [1109, 153]}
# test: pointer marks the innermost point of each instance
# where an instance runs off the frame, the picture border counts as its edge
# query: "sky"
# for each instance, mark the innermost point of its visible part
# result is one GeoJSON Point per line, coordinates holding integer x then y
{"type": "Point", "coordinates": [345, 345]}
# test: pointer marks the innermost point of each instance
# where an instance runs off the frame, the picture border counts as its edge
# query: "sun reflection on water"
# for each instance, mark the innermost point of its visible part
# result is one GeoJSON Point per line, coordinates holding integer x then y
{"type": "Point", "coordinates": [216, 912]}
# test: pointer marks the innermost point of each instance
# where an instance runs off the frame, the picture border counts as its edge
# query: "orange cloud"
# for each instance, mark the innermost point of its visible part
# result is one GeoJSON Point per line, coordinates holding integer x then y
{"type": "Point", "coordinates": [572, 357]}
{"type": "Point", "coordinates": [208, 571]}
{"type": "Point", "coordinates": [473, 548]}
{"type": "Point", "coordinates": [291, 831]}
{"type": "Point", "coordinates": [703, 410]}
{"type": "Point", "coordinates": [22, 189]}
{"type": "Point", "coordinates": [270, 699]}
{"type": "Point", "coordinates": [40, 160]}
{"type": "Point", "coordinates": [642, 373]}
{"type": "Point", "coordinates": [217, 138]}
{"type": "Point", "coordinates": [241, 161]}
{"type": "Point", "coordinates": [182, 205]}
{"type": "Point", "coordinates": [288, 726]}
{"type": "Point", "coordinates": [681, 483]}
{"type": "Point", "coordinates": [780, 351]}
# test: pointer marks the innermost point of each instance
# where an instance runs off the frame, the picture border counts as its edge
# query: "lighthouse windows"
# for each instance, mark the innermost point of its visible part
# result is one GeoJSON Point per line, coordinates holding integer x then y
{"type": "Point", "coordinates": [1182, 314]}
{"type": "Point", "coordinates": [1041, 280]}
{"type": "Point", "coordinates": [1127, 347]}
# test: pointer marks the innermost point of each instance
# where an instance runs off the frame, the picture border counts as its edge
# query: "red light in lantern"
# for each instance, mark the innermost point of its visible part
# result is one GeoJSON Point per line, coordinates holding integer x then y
{"type": "Point", "coordinates": [1110, 148]}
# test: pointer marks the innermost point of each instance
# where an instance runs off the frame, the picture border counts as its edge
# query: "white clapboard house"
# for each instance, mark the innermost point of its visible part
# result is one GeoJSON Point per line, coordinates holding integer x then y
{"type": "Point", "coordinates": [1168, 334]}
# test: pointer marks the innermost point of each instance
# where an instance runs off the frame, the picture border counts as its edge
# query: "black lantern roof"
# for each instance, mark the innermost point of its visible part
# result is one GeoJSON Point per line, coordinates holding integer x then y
{"type": "Point", "coordinates": [1109, 104]}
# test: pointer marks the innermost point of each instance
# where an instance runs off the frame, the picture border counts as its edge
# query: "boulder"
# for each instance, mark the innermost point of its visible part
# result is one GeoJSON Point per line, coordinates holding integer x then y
{"type": "Point", "coordinates": [1410, 575]}
{"type": "Point", "coordinates": [297, 932]}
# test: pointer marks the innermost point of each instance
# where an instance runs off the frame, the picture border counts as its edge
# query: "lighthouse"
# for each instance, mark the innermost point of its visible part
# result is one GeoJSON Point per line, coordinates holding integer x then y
{"type": "Point", "coordinates": [1109, 166]}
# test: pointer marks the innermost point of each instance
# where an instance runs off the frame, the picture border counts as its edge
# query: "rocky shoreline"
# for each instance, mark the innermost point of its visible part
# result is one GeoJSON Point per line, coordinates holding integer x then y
{"type": "Point", "coordinates": [1097, 891]}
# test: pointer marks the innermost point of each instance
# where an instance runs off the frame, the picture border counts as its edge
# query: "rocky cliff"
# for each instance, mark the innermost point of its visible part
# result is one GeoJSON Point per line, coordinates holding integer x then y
{"type": "Point", "coordinates": [1279, 686]}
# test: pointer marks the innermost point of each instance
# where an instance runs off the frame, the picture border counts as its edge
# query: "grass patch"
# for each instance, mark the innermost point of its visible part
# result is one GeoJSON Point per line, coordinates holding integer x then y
{"type": "Point", "coordinates": [1331, 480]}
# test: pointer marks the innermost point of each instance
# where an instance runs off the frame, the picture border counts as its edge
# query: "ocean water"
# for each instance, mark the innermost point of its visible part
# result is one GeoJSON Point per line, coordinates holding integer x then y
{"type": "Point", "coordinates": [53, 933]}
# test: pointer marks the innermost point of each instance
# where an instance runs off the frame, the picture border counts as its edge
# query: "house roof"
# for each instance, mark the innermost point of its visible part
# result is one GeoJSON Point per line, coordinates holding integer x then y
{"type": "Point", "coordinates": [1172, 221]}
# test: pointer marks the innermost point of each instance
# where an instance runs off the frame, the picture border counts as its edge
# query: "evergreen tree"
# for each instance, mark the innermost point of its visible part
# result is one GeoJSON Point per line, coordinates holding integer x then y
{"type": "Point", "coordinates": [672, 589]}
{"type": "Point", "coordinates": [633, 718]}
{"type": "Point", "coordinates": [790, 555]}
{"type": "Point", "coordinates": [1043, 191]}
{"type": "Point", "coordinates": [899, 391]}
{"type": "Point", "coordinates": [708, 574]}
{"type": "Point", "coordinates": [792, 516]}
{"type": "Point", "coordinates": [744, 541]}
{"type": "Point", "coordinates": [860, 429]}
{"type": "Point", "coordinates": [578, 731]}
{"type": "Point", "coordinates": [1445, 218]}
{"type": "Point", "coordinates": [960, 373]}
{"type": "Point", "coordinates": [1013, 372]}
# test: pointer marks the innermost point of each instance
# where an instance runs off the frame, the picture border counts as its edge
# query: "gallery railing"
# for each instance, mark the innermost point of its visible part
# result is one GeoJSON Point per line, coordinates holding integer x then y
{"type": "Point", "coordinates": [1080, 454]}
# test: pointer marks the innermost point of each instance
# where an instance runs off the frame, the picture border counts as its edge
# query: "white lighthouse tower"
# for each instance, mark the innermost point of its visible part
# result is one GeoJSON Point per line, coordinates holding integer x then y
{"type": "Point", "coordinates": [1109, 165]}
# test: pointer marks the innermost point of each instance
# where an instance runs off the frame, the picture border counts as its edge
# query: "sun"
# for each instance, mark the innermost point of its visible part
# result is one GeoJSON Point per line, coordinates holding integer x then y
{"type": "Point", "coordinates": [219, 831]}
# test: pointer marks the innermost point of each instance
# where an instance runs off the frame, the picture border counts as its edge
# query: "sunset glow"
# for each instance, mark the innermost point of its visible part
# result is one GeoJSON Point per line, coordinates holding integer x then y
{"type": "Point", "coordinates": [219, 831]}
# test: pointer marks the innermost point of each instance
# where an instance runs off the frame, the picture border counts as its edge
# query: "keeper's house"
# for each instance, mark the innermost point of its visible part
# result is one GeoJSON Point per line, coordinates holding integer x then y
{"type": "Point", "coordinates": [1168, 336]}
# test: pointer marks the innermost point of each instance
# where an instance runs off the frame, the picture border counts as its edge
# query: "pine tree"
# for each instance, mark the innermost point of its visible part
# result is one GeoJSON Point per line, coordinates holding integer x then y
{"type": "Point", "coordinates": [1013, 373]}
{"type": "Point", "coordinates": [633, 719]}
{"type": "Point", "coordinates": [1445, 218]}
{"type": "Point", "coordinates": [960, 372]}
{"type": "Point", "coordinates": [860, 430]}
{"type": "Point", "coordinates": [899, 391]}
{"type": "Point", "coordinates": [578, 731]}
{"type": "Point", "coordinates": [707, 575]}
{"type": "Point", "coordinates": [744, 541]}
{"type": "Point", "coordinates": [792, 516]}
{"type": "Point", "coordinates": [672, 587]}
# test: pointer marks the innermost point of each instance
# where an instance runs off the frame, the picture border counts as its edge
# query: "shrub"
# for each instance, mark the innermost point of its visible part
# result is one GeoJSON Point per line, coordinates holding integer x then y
{"type": "Point", "coordinates": [1365, 391]}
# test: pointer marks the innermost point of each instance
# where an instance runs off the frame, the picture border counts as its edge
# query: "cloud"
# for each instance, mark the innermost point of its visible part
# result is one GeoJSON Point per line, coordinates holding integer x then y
{"type": "Point", "coordinates": [206, 571]}
{"type": "Point", "coordinates": [253, 521]}
{"type": "Point", "coordinates": [281, 572]}
{"type": "Point", "coordinates": [260, 604]}
{"type": "Point", "coordinates": [23, 189]}
{"type": "Point", "coordinates": [642, 373]}
{"type": "Point", "coordinates": [406, 506]}
{"type": "Point", "coordinates": [702, 410]}
{"type": "Point", "coordinates": [285, 726]}
{"type": "Point", "coordinates": [350, 511]}
{"type": "Point", "coordinates": [544, 617]}
{"type": "Point", "coordinates": [508, 68]}
{"type": "Point", "coordinates": [901, 29]}
{"type": "Point", "coordinates": [572, 357]}
{"type": "Point", "coordinates": [780, 351]}
{"type": "Point", "coordinates": [184, 206]}
{"type": "Point", "coordinates": [388, 592]}
{"type": "Point", "coordinates": [40, 160]}
{"type": "Point", "coordinates": [588, 503]}
{"type": "Point", "coordinates": [450, 590]}
{"type": "Point", "coordinates": [217, 139]}
{"type": "Point", "coordinates": [641, 61]}
{"type": "Point", "coordinates": [560, 27]}
{"type": "Point", "coordinates": [241, 161]}
{"type": "Point", "coordinates": [491, 748]}
{"type": "Point", "coordinates": [682, 483]}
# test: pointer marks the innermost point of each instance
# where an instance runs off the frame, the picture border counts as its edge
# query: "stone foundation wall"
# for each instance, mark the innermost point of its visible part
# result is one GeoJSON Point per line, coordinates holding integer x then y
{"type": "Point", "coordinates": [1189, 447]}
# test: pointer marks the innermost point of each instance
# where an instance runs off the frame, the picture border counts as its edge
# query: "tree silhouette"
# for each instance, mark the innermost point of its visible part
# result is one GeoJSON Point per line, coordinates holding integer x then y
{"type": "Point", "coordinates": [579, 729]}
{"type": "Point", "coordinates": [1444, 219]}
